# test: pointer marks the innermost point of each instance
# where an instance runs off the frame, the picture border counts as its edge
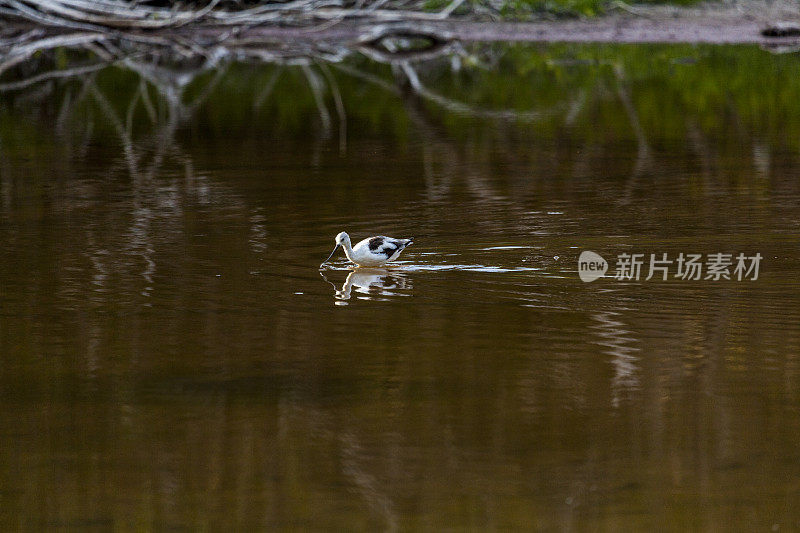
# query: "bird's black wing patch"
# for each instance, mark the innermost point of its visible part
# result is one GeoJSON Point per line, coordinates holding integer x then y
{"type": "Point", "coordinates": [384, 246]}
{"type": "Point", "coordinates": [387, 246]}
{"type": "Point", "coordinates": [375, 243]}
{"type": "Point", "coordinates": [389, 249]}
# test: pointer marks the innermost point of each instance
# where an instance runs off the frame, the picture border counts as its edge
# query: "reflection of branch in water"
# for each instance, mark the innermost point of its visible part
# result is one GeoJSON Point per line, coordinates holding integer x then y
{"type": "Point", "coordinates": [394, 43]}
{"type": "Point", "coordinates": [363, 472]}
{"type": "Point", "coordinates": [575, 108]}
{"type": "Point", "coordinates": [171, 86]}
{"type": "Point", "coordinates": [699, 144]}
{"type": "Point", "coordinates": [315, 84]}
{"type": "Point", "coordinates": [447, 103]}
{"type": "Point", "coordinates": [164, 69]}
{"type": "Point", "coordinates": [169, 68]}
{"type": "Point", "coordinates": [53, 74]}
{"type": "Point", "coordinates": [370, 78]}
{"type": "Point", "coordinates": [644, 159]}
{"type": "Point", "coordinates": [111, 115]}
{"type": "Point", "coordinates": [367, 485]}
{"type": "Point", "coordinates": [466, 109]}
{"type": "Point", "coordinates": [268, 88]}
{"type": "Point", "coordinates": [340, 111]}
{"type": "Point", "coordinates": [616, 338]}
{"type": "Point", "coordinates": [477, 182]}
{"type": "Point", "coordinates": [453, 165]}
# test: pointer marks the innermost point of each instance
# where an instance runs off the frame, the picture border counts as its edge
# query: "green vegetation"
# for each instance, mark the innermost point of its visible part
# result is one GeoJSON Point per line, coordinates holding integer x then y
{"type": "Point", "coordinates": [526, 8]}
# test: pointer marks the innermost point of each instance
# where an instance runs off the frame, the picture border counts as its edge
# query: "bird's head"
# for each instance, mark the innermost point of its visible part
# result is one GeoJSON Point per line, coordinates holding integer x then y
{"type": "Point", "coordinates": [342, 238]}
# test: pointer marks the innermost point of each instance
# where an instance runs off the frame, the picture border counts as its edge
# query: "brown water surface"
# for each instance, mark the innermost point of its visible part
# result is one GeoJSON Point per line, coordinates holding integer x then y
{"type": "Point", "coordinates": [172, 357]}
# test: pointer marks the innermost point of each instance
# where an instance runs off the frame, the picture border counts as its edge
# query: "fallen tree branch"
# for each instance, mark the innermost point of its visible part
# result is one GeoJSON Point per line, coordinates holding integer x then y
{"type": "Point", "coordinates": [22, 52]}
{"type": "Point", "coordinates": [121, 15]}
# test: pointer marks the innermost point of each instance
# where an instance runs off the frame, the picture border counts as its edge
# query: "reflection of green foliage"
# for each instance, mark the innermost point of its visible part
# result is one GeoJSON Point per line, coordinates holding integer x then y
{"type": "Point", "coordinates": [671, 88]}
{"type": "Point", "coordinates": [287, 110]}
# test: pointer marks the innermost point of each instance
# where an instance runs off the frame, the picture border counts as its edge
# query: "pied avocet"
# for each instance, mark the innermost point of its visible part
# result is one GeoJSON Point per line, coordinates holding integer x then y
{"type": "Point", "coordinates": [372, 251]}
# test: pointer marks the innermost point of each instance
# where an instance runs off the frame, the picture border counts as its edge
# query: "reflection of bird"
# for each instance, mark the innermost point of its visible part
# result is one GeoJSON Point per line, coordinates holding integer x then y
{"type": "Point", "coordinates": [372, 282]}
{"type": "Point", "coordinates": [372, 251]}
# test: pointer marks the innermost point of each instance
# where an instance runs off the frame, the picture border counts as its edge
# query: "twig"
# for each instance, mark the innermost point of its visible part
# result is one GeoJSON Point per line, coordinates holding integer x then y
{"type": "Point", "coordinates": [444, 13]}
{"type": "Point", "coordinates": [630, 9]}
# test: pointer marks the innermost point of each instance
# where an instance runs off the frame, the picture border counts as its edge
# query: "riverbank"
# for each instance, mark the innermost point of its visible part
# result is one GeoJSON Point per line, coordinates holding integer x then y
{"type": "Point", "coordinates": [773, 25]}
{"type": "Point", "coordinates": [721, 23]}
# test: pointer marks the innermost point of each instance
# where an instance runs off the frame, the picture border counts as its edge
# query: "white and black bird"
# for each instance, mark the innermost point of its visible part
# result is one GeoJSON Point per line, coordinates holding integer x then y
{"type": "Point", "coordinates": [372, 251]}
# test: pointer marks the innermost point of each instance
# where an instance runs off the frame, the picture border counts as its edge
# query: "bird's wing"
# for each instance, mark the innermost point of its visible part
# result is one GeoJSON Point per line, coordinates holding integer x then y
{"type": "Point", "coordinates": [383, 245]}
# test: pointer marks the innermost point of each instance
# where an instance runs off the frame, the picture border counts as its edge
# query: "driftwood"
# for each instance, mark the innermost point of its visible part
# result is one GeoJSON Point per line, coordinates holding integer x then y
{"type": "Point", "coordinates": [121, 15]}
{"type": "Point", "coordinates": [115, 30]}
{"type": "Point", "coordinates": [367, 22]}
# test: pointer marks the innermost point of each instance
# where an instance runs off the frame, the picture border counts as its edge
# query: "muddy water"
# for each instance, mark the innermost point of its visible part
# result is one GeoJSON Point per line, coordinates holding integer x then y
{"type": "Point", "coordinates": [173, 357]}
